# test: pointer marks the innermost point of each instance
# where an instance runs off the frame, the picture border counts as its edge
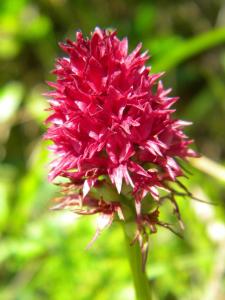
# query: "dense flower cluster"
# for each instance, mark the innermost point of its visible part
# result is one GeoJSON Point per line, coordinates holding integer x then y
{"type": "Point", "coordinates": [112, 130]}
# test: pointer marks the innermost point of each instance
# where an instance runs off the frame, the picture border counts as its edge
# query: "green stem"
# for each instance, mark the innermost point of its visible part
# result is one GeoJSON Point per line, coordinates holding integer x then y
{"type": "Point", "coordinates": [141, 284]}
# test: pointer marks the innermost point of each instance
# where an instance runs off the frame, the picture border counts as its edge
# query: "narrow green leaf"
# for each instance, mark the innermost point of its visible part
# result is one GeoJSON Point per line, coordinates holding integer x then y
{"type": "Point", "coordinates": [190, 48]}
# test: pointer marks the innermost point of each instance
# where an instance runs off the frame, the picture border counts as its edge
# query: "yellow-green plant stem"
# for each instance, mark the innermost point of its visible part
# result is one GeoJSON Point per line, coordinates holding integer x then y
{"type": "Point", "coordinates": [141, 283]}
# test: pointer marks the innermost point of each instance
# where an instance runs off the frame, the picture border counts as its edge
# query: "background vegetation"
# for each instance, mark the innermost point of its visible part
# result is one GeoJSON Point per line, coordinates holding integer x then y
{"type": "Point", "coordinates": [42, 253]}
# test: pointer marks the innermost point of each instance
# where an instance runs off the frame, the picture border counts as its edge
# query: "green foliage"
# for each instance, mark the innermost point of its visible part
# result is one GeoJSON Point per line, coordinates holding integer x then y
{"type": "Point", "coordinates": [42, 253]}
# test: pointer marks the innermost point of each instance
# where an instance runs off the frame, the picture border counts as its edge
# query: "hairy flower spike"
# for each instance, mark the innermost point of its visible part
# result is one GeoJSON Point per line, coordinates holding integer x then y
{"type": "Point", "coordinates": [113, 133]}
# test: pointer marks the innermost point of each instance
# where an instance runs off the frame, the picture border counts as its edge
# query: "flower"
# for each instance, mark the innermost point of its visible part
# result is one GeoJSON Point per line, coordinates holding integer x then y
{"type": "Point", "coordinates": [113, 133]}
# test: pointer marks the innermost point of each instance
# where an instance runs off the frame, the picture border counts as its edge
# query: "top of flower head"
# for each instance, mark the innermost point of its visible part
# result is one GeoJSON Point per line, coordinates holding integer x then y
{"type": "Point", "coordinates": [111, 122]}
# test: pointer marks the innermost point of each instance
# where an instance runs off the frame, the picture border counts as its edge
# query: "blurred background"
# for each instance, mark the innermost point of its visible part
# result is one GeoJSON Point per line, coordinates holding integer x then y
{"type": "Point", "coordinates": [42, 252]}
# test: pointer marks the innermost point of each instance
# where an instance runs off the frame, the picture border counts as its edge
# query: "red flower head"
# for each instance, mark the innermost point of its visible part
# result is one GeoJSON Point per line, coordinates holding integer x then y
{"type": "Point", "coordinates": [113, 132]}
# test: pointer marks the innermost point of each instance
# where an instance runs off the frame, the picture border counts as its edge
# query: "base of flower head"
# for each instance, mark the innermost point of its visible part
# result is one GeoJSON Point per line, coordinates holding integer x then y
{"type": "Point", "coordinates": [121, 209]}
